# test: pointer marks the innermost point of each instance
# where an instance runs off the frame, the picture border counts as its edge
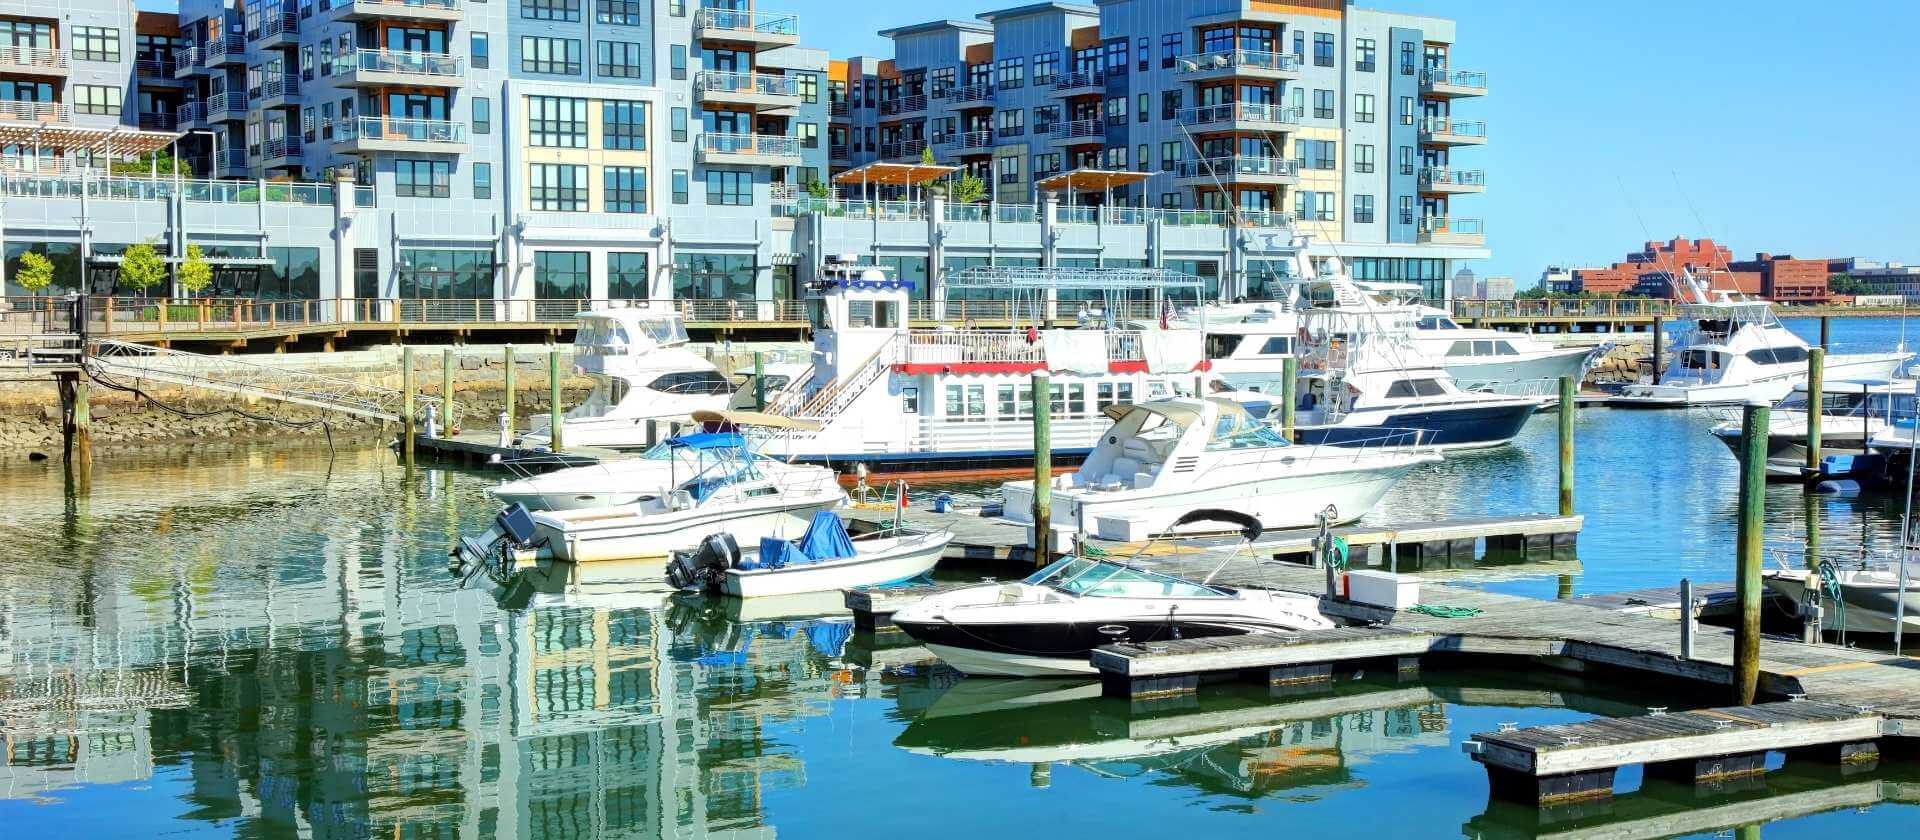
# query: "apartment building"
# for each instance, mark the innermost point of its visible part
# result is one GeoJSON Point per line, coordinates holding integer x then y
{"type": "Point", "coordinates": [1334, 119]}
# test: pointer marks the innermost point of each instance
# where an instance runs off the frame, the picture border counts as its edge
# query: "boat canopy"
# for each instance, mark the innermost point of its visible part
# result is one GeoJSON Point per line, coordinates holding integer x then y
{"type": "Point", "coordinates": [826, 539]}
{"type": "Point", "coordinates": [1231, 419]}
{"type": "Point", "coordinates": [707, 441]}
{"type": "Point", "coordinates": [754, 418]}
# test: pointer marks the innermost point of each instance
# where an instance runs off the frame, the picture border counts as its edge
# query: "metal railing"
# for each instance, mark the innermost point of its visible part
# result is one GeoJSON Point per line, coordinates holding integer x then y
{"type": "Point", "coordinates": [837, 109]}
{"type": "Point", "coordinates": [1450, 126]}
{"type": "Point", "coordinates": [903, 105]}
{"type": "Point", "coordinates": [764, 84]}
{"type": "Point", "coordinates": [186, 57]}
{"type": "Point", "coordinates": [975, 139]}
{"type": "Point", "coordinates": [1520, 308]}
{"type": "Point", "coordinates": [281, 147]}
{"type": "Point", "coordinates": [444, 5]}
{"type": "Point", "coordinates": [38, 112]}
{"type": "Point", "coordinates": [1434, 175]}
{"type": "Point", "coordinates": [843, 208]}
{"type": "Point", "coordinates": [39, 58]}
{"type": "Point", "coordinates": [143, 188]}
{"type": "Point", "coordinates": [1092, 129]}
{"type": "Point", "coordinates": [191, 112]}
{"type": "Point", "coordinates": [981, 91]}
{"type": "Point", "coordinates": [1236, 59]}
{"type": "Point", "coordinates": [749, 144]}
{"type": "Point", "coordinates": [1070, 81]}
{"type": "Point", "coordinates": [1262, 112]}
{"type": "Point", "coordinates": [742, 20]}
{"type": "Point", "coordinates": [1453, 78]}
{"type": "Point", "coordinates": [226, 104]}
{"type": "Point", "coordinates": [939, 346]}
{"type": "Point", "coordinates": [416, 130]}
{"type": "Point", "coordinates": [400, 61]}
{"type": "Point", "coordinates": [261, 26]}
{"type": "Point", "coordinates": [839, 151]}
{"type": "Point", "coordinates": [1227, 167]}
{"type": "Point", "coordinates": [287, 84]}
{"type": "Point", "coordinates": [221, 50]}
{"type": "Point", "coordinates": [902, 148]}
{"type": "Point", "coordinates": [162, 66]}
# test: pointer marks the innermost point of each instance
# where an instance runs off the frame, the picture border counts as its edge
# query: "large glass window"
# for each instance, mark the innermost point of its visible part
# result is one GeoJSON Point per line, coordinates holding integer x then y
{"type": "Point", "coordinates": [482, 180]}
{"type": "Point", "coordinates": [96, 43]}
{"type": "Point", "coordinates": [423, 178]}
{"type": "Point", "coordinates": [619, 59]}
{"type": "Point", "coordinates": [729, 187]}
{"type": "Point", "coordinates": [626, 189]}
{"type": "Point", "coordinates": [550, 9]}
{"type": "Point", "coordinates": [459, 274]}
{"type": "Point", "coordinates": [713, 276]}
{"type": "Point", "coordinates": [623, 125]}
{"type": "Point", "coordinates": [621, 12]}
{"type": "Point", "coordinates": [96, 99]}
{"type": "Point", "coordinates": [479, 53]}
{"type": "Point", "coordinates": [559, 186]}
{"type": "Point", "coordinates": [560, 275]}
{"type": "Point", "coordinates": [1323, 49]}
{"type": "Point", "coordinates": [557, 121]}
{"type": "Point", "coordinates": [627, 275]}
{"type": "Point", "coordinates": [553, 56]}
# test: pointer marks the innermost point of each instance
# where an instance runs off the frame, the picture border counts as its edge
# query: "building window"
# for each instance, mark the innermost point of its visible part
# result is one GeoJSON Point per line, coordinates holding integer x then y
{"type": "Point", "coordinates": [1012, 123]}
{"type": "Point", "coordinates": [1406, 160]}
{"type": "Point", "coordinates": [441, 274]}
{"type": "Point", "coordinates": [619, 59]}
{"type": "Point", "coordinates": [1323, 104]}
{"type": "Point", "coordinates": [1362, 158]}
{"type": "Point", "coordinates": [551, 56]}
{"type": "Point", "coordinates": [680, 186]}
{"type": "Point", "coordinates": [1363, 107]}
{"type": "Point", "coordinates": [621, 12]}
{"type": "Point", "coordinates": [482, 59]}
{"type": "Point", "coordinates": [1363, 209]}
{"type": "Point", "coordinates": [626, 189]}
{"type": "Point", "coordinates": [557, 122]}
{"type": "Point", "coordinates": [1141, 159]}
{"type": "Point", "coordinates": [423, 178]}
{"type": "Point", "coordinates": [623, 125]}
{"type": "Point", "coordinates": [1142, 107]}
{"type": "Point", "coordinates": [1314, 154]}
{"type": "Point", "coordinates": [550, 9]}
{"type": "Point", "coordinates": [1046, 67]}
{"type": "Point", "coordinates": [1406, 110]}
{"type": "Point", "coordinates": [1406, 209]}
{"type": "Point", "coordinates": [809, 134]}
{"type": "Point", "coordinates": [729, 187]}
{"type": "Point", "coordinates": [1170, 154]}
{"type": "Point", "coordinates": [96, 99]}
{"type": "Point", "coordinates": [677, 123]}
{"type": "Point", "coordinates": [1363, 56]}
{"type": "Point", "coordinates": [1116, 57]}
{"type": "Point", "coordinates": [559, 186]}
{"type": "Point", "coordinates": [482, 115]}
{"type": "Point", "coordinates": [1012, 73]}
{"type": "Point", "coordinates": [1009, 168]}
{"type": "Point", "coordinates": [1299, 45]}
{"type": "Point", "coordinates": [94, 43]}
{"type": "Point", "coordinates": [1323, 49]}
{"type": "Point", "coordinates": [1406, 58]}
{"type": "Point", "coordinates": [482, 180]}
{"type": "Point", "coordinates": [1169, 49]}
{"type": "Point", "coordinates": [1045, 117]}
{"type": "Point", "coordinates": [677, 60]}
{"type": "Point", "coordinates": [1169, 104]}
{"type": "Point", "coordinates": [714, 276]}
{"type": "Point", "coordinates": [1314, 206]}
{"type": "Point", "coordinates": [677, 8]}
{"type": "Point", "coordinates": [627, 276]}
{"type": "Point", "coordinates": [809, 84]}
{"type": "Point", "coordinates": [1116, 110]}
{"type": "Point", "coordinates": [560, 275]}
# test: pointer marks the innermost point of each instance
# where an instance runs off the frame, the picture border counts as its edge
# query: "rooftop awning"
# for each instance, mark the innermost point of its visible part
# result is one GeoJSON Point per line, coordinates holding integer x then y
{"type": "Point", "coordinates": [1096, 180]}
{"type": "Point", "coordinates": [24, 134]}
{"type": "Point", "coordinates": [894, 174]}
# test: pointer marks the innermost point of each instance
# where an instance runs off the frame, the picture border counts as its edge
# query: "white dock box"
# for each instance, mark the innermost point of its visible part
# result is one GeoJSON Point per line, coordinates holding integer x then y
{"type": "Point", "coordinates": [1383, 589]}
{"type": "Point", "coordinates": [1062, 538]}
{"type": "Point", "coordinates": [1120, 528]}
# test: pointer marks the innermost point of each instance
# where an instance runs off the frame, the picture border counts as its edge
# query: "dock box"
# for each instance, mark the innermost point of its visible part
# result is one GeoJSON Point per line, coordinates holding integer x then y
{"type": "Point", "coordinates": [1383, 589]}
{"type": "Point", "coordinates": [1120, 528]}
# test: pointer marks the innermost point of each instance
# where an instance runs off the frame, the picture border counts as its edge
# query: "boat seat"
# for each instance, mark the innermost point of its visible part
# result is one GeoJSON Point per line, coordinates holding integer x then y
{"type": "Point", "coordinates": [1124, 470]}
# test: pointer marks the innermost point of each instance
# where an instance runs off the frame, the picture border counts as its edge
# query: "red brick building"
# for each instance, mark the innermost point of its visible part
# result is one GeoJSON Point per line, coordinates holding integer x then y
{"type": "Point", "coordinates": [1652, 271]}
{"type": "Point", "coordinates": [1787, 280]}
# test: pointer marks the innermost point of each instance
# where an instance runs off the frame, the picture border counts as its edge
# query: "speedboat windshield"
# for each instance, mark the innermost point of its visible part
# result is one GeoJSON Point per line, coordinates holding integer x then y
{"type": "Point", "coordinates": [1106, 579]}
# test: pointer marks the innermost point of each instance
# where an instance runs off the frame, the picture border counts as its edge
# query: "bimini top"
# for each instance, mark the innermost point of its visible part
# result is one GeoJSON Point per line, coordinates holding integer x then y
{"type": "Point", "coordinates": [1230, 419]}
{"type": "Point", "coordinates": [705, 441]}
{"type": "Point", "coordinates": [754, 418]}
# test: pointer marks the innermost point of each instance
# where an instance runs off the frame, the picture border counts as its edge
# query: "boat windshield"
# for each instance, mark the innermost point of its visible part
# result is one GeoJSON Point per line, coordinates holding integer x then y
{"type": "Point", "coordinates": [1106, 579]}
{"type": "Point", "coordinates": [663, 330]}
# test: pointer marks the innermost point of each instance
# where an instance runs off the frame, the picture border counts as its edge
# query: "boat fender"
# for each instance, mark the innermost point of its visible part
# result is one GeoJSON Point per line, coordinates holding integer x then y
{"type": "Point", "coordinates": [1840, 487]}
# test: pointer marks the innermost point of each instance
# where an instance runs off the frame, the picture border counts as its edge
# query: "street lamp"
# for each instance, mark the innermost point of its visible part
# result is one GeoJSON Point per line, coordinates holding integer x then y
{"type": "Point", "coordinates": [214, 161]}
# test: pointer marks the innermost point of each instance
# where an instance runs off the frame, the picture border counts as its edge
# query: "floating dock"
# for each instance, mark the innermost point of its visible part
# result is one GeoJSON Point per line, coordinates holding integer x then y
{"type": "Point", "coordinates": [480, 448]}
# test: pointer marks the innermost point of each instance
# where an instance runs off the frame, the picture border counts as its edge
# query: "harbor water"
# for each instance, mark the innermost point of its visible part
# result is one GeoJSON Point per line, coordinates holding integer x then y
{"type": "Point", "coordinates": [265, 641]}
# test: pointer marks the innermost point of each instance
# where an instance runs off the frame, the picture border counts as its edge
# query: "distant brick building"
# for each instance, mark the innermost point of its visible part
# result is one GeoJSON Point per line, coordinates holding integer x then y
{"type": "Point", "coordinates": [1653, 270]}
{"type": "Point", "coordinates": [1787, 280]}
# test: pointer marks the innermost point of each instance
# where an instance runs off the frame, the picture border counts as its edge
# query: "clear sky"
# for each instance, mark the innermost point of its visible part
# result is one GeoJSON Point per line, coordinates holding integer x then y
{"type": "Point", "coordinates": [1765, 124]}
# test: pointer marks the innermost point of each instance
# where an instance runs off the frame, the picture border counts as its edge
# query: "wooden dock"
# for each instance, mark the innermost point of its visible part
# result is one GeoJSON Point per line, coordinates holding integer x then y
{"type": "Point", "coordinates": [481, 448]}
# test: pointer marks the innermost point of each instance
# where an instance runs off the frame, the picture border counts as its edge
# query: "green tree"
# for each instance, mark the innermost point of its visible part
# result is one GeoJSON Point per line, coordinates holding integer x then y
{"type": "Point", "coordinates": [1847, 284]}
{"type": "Point", "coordinates": [157, 160]}
{"type": "Point", "coordinates": [926, 155]}
{"type": "Point", "coordinates": [968, 188]}
{"type": "Point", "coordinates": [819, 189]}
{"type": "Point", "coordinates": [36, 271]}
{"type": "Point", "coordinates": [195, 274]}
{"type": "Point", "coordinates": [141, 268]}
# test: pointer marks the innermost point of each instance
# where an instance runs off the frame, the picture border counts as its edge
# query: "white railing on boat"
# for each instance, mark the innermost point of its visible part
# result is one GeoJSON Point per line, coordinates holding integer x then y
{"type": "Point", "coordinates": [959, 346]}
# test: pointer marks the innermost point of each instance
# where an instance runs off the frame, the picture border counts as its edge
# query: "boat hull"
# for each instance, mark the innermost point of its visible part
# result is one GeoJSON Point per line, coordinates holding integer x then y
{"type": "Point", "coordinates": [1053, 649]}
{"type": "Point", "coordinates": [654, 537]}
{"type": "Point", "coordinates": [1869, 608]}
{"type": "Point", "coordinates": [1286, 501]}
{"type": "Point", "coordinates": [1447, 428]}
{"type": "Point", "coordinates": [1787, 454]}
{"type": "Point", "coordinates": [1494, 374]}
{"type": "Point", "coordinates": [905, 560]}
{"type": "Point", "coordinates": [1770, 389]}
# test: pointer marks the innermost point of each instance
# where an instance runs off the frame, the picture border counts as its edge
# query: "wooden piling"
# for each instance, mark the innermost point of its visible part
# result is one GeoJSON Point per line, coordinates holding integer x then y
{"type": "Point", "coordinates": [1568, 397]}
{"type": "Point", "coordinates": [1816, 386]}
{"type": "Point", "coordinates": [1289, 371]}
{"type": "Point", "coordinates": [1753, 488]}
{"type": "Point", "coordinates": [759, 382]}
{"type": "Point", "coordinates": [446, 392]}
{"type": "Point", "coordinates": [510, 390]}
{"type": "Point", "coordinates": [1042, 468]}
{"type": "Point", "coordinates": [1659, 342]}
{"type": "Point", "coordinates": [1811, 609]}
{"type": "Point", "coordinates": [406, 402]}
{"type": "Point", "coordinates": [553, 400]}
{"type": "Point", "coordinates": [77, 420]}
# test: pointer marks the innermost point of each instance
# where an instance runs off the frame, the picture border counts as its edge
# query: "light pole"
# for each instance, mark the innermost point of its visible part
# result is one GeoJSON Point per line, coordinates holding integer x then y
{"type": "Point", "coordinates": [213, 162]}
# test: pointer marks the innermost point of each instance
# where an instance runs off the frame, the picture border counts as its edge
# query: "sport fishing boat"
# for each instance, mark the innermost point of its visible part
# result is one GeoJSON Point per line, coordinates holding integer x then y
{"type": "Point", "coordinates": [1853, 416]}
{"type": "Point", "coordinates": [651, 474]}
{"type": "Point", "coordinates": [1163, 458]}
{"type": "Point", "coordinates": [732, 490]}
{"type": "Point", "coordinates": [1049, 623]}
{"type": "Point", "coordinates": [1496, 360]}
{"type": "Point", "coordinates": [892, 398]}
{"type": "Point", "coordinates": [642, 373]}
{"type": "Point", "coordinates": [824, 559]}
{"type": "Point", "coordinates": [1732, 349]}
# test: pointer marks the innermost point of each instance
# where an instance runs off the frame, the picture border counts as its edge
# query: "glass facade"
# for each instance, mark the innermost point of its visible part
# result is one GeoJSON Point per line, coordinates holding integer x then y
{"type": "Point", "coordinates": [1430, 273]}
{"type": "Point", "coordinates": [453, 274]}
{"type": "Point", "coordinates": [560, 275]}
{"type": "Point", "coordinates": [627, 276]}
{"type": "Point", "coordinates": [714, 276]}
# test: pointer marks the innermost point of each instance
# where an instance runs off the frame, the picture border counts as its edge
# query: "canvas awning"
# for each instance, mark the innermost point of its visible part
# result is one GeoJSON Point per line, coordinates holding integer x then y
{"type": "Point", "coordinates": [880, 173]}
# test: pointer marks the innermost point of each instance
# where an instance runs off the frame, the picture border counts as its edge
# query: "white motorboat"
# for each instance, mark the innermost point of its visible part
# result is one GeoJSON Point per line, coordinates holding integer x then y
{"type": "Point", "coordinates": [1732, 349]}
{"type": "Point", "coordinates": [1853, 416]}
{"type": "Point", "coordinates": [1868, 589]}
{"type": "Point", "coordinates": [650, 474]}
{"type": "Point", "coordinates": [1049, 623]}
{"type": "Point", "coordinates": [643, 376]}
{"type": "Point", "coordinates": [824, 559]}
{"type": "Point", "coordinates": [1496, 360]}
{"type": "Point", "coordinates": [733, 490]}
{"type": "Point", "coordinates": [1161, 459]}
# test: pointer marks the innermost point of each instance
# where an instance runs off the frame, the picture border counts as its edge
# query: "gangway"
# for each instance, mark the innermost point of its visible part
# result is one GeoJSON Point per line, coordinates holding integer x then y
{"type": "Point", "coordinates": [115, 361]}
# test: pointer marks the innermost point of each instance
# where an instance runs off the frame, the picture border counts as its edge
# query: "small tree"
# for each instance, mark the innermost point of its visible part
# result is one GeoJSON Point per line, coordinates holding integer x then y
{"type": "Point", "coordinates": [926, 155]}
{"type": "Point", "coordinates": [141, 268]}
{"type": "Point", "coordinates": [968, 188]}
{"type": "Point", "coordinates": [195, 274]}
{"type": "Point", "coordinates": [154, 161]}
{"type": "Point", "coordinates": [819, 189]}
{"type": "Point", "coordinates": [36, 272]}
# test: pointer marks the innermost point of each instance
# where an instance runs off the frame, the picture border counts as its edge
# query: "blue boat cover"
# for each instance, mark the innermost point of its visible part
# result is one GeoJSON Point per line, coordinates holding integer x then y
{"type": "Point", "coordinates": [826, 539]}
{"type": "Point", "coordinates": [708, 440]}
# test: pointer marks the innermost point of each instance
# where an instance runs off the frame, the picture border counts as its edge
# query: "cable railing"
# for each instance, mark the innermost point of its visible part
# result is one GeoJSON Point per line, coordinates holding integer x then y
{"type": "Point", "coordinates": [902, 148]}
{"type": "Point", "coordinates": [222, 50]}
{"type": "Point", "coordinates": [1075, 80]}
{"type": "Point", "coordinates": [746, 21]}
{"type": "Point", "coordinates": [281, 147]}
{"type": "Point", "coordinates": [1227, 167]}
{"type": "Point", "coordinates": [1090, 129]}
{"type": "Point", "coordinates": [763, 84]}
{"type": "Point", "coordinates": [228, 103]}
{"type": "Point", "coordinates": [33, 58]}
{"type": "Point", "coordinates": [1253, 112]}
{"type": "Point", "coordinates": [1236, 59]}
{"type": "Point", "coordinates": [1454, 128]}
{"type": "Point", "coordinates": [978, 92]}
{"type": "Point", "coordinates": [408, 129]}
{"type": "Point", "coordinates": [400, 61]}
{"type": "Point", "coordinates": [35, 112]}
{"type": "Point", "coordinates": [154, 65]}
{"type": "Point", "coordinates": [749, 144]}
{"type": "Point", "coordinates": [903, 105]}
{"type": "Point", "coordinates": [287, 84]}
{"type": "Point", "coordinates": [261, 26]}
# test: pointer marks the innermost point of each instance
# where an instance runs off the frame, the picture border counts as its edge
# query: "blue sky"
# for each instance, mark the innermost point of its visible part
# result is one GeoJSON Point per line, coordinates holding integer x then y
{"type": "Point", "coordinates": [1757, 122]}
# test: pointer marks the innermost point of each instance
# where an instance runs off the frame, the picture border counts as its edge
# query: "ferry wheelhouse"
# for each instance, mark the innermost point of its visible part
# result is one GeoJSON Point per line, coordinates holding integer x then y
{"type": "Point", "coordinates": [641, 372]}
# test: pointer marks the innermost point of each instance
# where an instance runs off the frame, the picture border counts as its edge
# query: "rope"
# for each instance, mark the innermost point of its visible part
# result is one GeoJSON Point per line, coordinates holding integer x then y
{"type": "Point", "coordinates": [1092, 551]}
{"type": "Point", "coordinates": [1337, 557]}
{"type": "Point", "coordinates": [1444, 611]}
{"type": "Point", "coordinates": [1830, 585]}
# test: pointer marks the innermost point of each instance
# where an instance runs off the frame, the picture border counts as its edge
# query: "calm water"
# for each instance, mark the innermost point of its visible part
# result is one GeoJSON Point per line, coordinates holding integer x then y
{"type": "Point", "coordinates": [266, 642]}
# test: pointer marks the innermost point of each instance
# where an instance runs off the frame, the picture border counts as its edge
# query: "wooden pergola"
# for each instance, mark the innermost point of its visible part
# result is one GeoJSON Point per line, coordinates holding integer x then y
{"type": "Point", "coordinates": [32, 137]}
{"type": "Point", "coordinates": [883, 174]}
{"type": "Point", "coordinates": [1102, 181]}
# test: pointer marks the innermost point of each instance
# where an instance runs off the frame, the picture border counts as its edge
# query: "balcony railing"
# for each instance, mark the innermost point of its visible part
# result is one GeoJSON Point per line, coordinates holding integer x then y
{"type": "Point", "coordinates": [1449, 126]}
{"type": "Point", "coordinates": [161, 66]}
{"type": "Point", "coordinates": [903, 105]}
{"type": "Point", "coordinates": [1091, 129]}
{"type": "Point", "coordinates": [1260, 112]}
{"type": "Point", "coordinates": [975, 139]}
{"type": "Point", "coordinates": [1453, 78]}
{"type": "Point", "coordinates": [400, 61]}
{"type": "Point", "coordinates": [225, 104]}
{"type": "Point", "coordinates": [219, 51]}
{"type": "Point", "coordinates": [36, 112]}
{"type": "Point", "coordinates": [839, 151]}
{"type": "Point", "coordinates": [191, 112]}
{"type": "Point", "coordinates": [1443, 229]}
{"type": "Point", "coordinates": [1236, 59]}
{"type": "Point", "coordinates": [902, 148]}
{"type": "Point", "coordinates": [1227, 167]}
{"type": "Point", "coordinates": [749, 144]}
{"type": "Point", "coordinates": [144, 188]}
{"type": "Point", "coordinates": [40, 58]}
{"type": "Point", "coordinates": [287, 84]}
{"type": "Point", "coordinates": [233, 157]}
{"type": "Point", "coordinates": [156, 121]}
{"type": "Point", "coordinates": [281, 147]}
{"type": "Point", "coordinates": [837, 109]}
{"type": "Point", "coordinates": [982, 92]}
{"type": "Point", "coordinates": [1440, 175]}
{"type": "Point", "coordinates": [442, 5]}
{"type": "Point", "coordinates": [1070, 81]}
{"type": "Point", "coordinates": [410, 130]}
{"type": "Point", "coordinates": [764, 84]}
{"type": "Point", "coordinates": [263, 26]}
{"type": "Point", "coordinates": [741, 20]}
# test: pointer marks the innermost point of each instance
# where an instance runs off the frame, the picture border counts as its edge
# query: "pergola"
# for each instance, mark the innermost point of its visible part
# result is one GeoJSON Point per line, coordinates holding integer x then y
{"type": "Point", "coordinates": [118, 141]}
{"type": "Point", "coordinates": [882, 174]}
{"type": "Point", "coordinates": [1092, 180]}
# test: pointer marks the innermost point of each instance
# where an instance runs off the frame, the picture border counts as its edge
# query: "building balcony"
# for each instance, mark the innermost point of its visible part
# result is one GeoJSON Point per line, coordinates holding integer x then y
{"type": "Point", "coordinates": [969, 142]}
{"type": "Point", "coordinates": [159, 120]}
{"type": "Point", "coordinates": [758, 91]}
{"type": "Point", "coordinates": [157, 71]}
{"type": "Point", "coordinates": [280, 92]}
{"type": "Point", "coordinates": [281, 152]}
{"type": "Point", "coordinates": [229, 50]}
{"type": "Point", "coordinates": [442, 10]}
{"type": "Point", "coordinates": [1238, 64]}
{"type": "Point", "coordinates": [839, 152]}
{"type": "Point", "coordinates": [399, 68]}
{"type": "Point", "coordinates": [902, 105]}
{"type": "Point", "coordinates": [231, 163]}
{"type": "Point", "coordinates": [902, 149]}
{"type": "Point", "coordinates": [1080, 132]}
{"type": "Point", "coordinates": [749, 149]}
{"type": "Point", "coordinates": [1446, 131]}
{"type": "Point", "coordinates": [273, 30]}
{"type": "Point", "coordinates": [400, 134]}
{"type": "Point", "coordinates": [1441, 83]}
{"type": "Point", "coordinates": [758, 30]}
{"type": "Point", "coordinates": [1444, 181]}
{"type": "Point", "coordinates": [971, 96]}
{"type": "Point", "coordinates": [34, 113]}
{"type": "Point", "coordinates": [1244, 170]}
{"type": "Point", "coordinates": [1446, 230]}
{"type": "Point", "coordinates": [230, 106]}
{"type": "Point", "coordinates": [1240, 116]}
{"type": "Point", "coordinates": [47, 62]}
{"type": "Point", "coordinates": [837, 109]}
{"type": "Point", "coordinates": [186, 63]}
{"type": "Point", "coordinates": [1079, 84]}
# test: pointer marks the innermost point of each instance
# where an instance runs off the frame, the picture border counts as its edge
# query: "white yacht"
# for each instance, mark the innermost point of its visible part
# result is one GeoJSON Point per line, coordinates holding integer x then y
{"type": "Point", "coordinates": [1162, 459]}
{"type": "Point", "coordinates": [1853, 416]}
{"type": "Point", "coordinates": [654, 472]}
{"type": "Point", "coordinates": [732, 490]}
{"type": "Point", "coordinates": [641, 372]}
{"type": "Point", "coordinates": [1732, 349]}
{"type": "Point", "coordinates": [1496, 360]}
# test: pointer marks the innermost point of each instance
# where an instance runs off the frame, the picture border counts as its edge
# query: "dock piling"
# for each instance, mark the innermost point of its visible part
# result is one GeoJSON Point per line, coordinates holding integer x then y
{"type": "Point", "coordinates": [1042, 468]}
{"type": "Point", "coordinates": [1826, 330]}
{"type": "Point", "coordinates": [406, 401]}
{"type": "Point", "coordinates": [1816, 384]}
{"type": "Point", "coordinates": [553, 399]}
{"type": "Point", "coordinates": [1686, 618]}
{"type": "Point", "coordinates": [1568, 398]}
{"type": "Point", "coordinates": [759, 382]}
{"type": "Point", "coordinates": [1289, 370]}
{"type": "Point", "coordinates": [1659, 342]}
{"type": "Point", "coordinates": [508, 384]}
{"type": "Point", "coordinates": [446, 392]}
{"type": "Point", "coordinates": [1753, 488]}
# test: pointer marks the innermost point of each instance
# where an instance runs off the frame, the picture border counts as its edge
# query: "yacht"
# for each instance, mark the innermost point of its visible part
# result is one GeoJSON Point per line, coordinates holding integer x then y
{"type": "Point", "coordinates": [1496, 360]}
{"type": "Point", "coordinates": [730, 490]}
{"type": "Point", "coordinates": [1163, 458]}
{"type": "Point", "coordinates": [1853, 416]}
{"type": "Point", "coordinates": [1049, 623]}
{"type": "Point", "coordinates": [652, 473]}
{"type": "Point", "coordinates": [642, 372]}
{"type": "Point", "coordinates": [1732, 349]}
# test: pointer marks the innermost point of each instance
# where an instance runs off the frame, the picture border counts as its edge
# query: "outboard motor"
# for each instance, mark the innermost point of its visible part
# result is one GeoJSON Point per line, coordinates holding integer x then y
{"type": "Point", "coordinates": [705, 566]}
{"type": "Point", "coordinates": [500, 550]}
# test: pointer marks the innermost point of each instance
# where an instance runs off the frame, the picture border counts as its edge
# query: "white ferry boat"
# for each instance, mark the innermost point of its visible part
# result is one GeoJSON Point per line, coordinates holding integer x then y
{"type": "Point", "coordinates": [641, 372]}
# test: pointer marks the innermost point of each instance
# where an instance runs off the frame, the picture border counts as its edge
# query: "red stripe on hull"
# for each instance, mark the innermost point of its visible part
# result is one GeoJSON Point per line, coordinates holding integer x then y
{"type": "Point", "coordinates": [989, 368]}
